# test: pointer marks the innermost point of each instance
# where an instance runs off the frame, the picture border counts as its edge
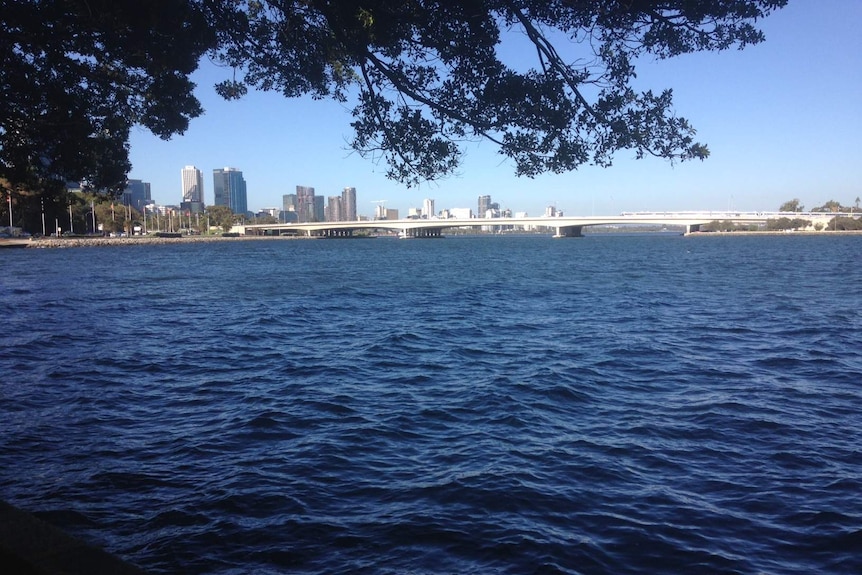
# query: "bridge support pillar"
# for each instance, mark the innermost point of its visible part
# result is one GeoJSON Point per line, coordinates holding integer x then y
{"type": "Point", "coordinates": [569, 232]}
{"type": "Point", "coordinates": [691, 228]}
{"type": "Point", "coordinates": [338, 233]}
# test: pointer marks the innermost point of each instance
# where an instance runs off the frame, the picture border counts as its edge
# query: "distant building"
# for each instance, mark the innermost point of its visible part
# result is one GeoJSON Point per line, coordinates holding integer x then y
{"type": "Point", "coordinates": [348, 204]}
{"type": "Point", "coordinates": [492, 210]}
{"type": "Point", "coordinates": [192, 207]}
{"type": "Point", "coordinates": [428, 209]}
{"type": "Point", "coordinates": [526, 227]}
{"type": "Point", "coordinates": [193, 190]}
{"type": "Point", "coordinates": [461, 213]}
{"type": "Point", "coordinates": [289, 202]}
{"type": "Point", "coordinates": [391, 214]}
{"type": "Point", "coordinates": [272, 212]}
{"type": "Point", "coordinates": [334, 209]}
{"type": "Point", "coordinates": [193, 184]}
{"type": "Point", "coordinates": [319, 209]}
{"type": "Point", "coordinates": [229, 190]}
{"type": "Point", "coordinates": [305, 204]}
{"type": "Point", "coordinates": [137, 194]}
{"type": "Point", "coordinates": [484, 206]}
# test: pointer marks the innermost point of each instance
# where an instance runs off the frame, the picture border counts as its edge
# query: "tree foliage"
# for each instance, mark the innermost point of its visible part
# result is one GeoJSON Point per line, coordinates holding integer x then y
{"type": "Point", "coordinates": [428, 74]}
{"type": "Point", "coordinates": [786, 224]}
{"type": "Point", "coordinates": [844, 224]}
{"type": "Point", "coordinates": [423, 76]}
{"type": "Point", "coordinates": [727, 226]}
{"type": "Point", "coordinates": [220, 216]}
{"type": "Point", "coordinates": [78, 74]}
{"type": "Point", "coordinates": [791, 206]}
{"type": "Point", "coordinates": [832, 206]}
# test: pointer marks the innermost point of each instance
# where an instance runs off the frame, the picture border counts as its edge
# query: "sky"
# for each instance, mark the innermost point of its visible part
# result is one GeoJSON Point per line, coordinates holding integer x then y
{"type": "Point", "coordinates": [782, 119]}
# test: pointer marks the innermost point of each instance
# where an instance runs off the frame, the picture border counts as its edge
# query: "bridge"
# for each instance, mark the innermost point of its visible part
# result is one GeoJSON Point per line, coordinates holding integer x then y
{"type": "Point", "coordinates": [564, 226]}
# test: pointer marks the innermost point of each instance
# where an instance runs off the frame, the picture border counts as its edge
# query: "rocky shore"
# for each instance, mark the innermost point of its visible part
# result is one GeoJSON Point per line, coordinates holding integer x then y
{"type": "Point", "coordinates": [78, 242]}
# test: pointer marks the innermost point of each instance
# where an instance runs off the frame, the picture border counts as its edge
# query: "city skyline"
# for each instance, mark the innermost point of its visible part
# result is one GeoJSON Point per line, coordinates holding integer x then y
{"type": "Point", "coordinates": [780, 119]}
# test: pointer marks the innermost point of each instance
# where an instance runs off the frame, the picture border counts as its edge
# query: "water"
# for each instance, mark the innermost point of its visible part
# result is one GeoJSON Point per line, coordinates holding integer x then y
{"type": "Point", "coordinates": [610, 404]}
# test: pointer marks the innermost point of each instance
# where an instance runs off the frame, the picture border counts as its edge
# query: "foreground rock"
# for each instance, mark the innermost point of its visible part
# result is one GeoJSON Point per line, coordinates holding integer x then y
{"type": "Point", "coordinates": [30, 546]}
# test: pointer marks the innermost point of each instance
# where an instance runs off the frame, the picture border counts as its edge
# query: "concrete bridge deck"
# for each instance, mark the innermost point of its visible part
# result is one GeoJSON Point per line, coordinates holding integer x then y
{"type": "Point", "coordinates": [566, 226]}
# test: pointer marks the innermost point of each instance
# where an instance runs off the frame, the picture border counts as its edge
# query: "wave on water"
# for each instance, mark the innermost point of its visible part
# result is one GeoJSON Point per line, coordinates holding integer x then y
{"type": "Point", "coordinates": [613, 404]}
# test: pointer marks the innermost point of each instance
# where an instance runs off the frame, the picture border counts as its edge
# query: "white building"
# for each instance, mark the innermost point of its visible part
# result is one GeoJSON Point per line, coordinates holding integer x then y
{"type": "Point", "coordinates": [193, 184]}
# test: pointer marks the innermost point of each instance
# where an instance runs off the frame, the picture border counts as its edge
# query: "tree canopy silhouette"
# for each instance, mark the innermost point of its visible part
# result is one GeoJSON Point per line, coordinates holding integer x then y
{"type": "Point", "coordinates": [77, 75]}
{"type": "Point", "coordinates": [425, 75]}
{"type": "Point", "coordinates": [422, 76]}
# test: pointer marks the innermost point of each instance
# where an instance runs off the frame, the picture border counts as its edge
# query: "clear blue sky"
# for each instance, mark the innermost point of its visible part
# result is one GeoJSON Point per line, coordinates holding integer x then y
{"type": "Point", "coordinates": [782, 119]}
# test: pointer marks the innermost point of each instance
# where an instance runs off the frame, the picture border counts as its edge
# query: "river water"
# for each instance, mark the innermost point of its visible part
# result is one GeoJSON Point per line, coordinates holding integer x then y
{"type": "Point", "coordinates": [609, 404]}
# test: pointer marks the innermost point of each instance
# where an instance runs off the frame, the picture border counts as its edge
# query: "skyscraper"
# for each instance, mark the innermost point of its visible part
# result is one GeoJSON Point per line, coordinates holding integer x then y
{"type": "Point", "coordinates": [193, 190]}
{"type": "Point", "coordinates": [229, 190]}
{"type": "Point", "coordinates": [484, 206]}
{"type": "Point", "coordinates": [348, 204]}
{"type": "Point", "coordinates": [427, 208]}
{"type": "Point", "coordinates": [137, 194]}
{"type": "Point", "coordinates": [317, 215]}
{"type": "Point", "coordinates": [193, 184]}
{"type": "Point", "coordinates": [305, 203]}
{"type": "Point", "coordinates": [335, 209]}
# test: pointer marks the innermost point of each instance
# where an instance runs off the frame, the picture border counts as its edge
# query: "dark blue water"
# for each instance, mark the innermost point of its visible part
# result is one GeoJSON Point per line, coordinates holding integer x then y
{"type": "Point", "coordinates": [610, 404]}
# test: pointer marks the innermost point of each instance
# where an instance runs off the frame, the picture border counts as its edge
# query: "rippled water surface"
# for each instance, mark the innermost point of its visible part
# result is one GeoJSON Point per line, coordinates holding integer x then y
{"type": "Point", "coordinates": [610, 404]}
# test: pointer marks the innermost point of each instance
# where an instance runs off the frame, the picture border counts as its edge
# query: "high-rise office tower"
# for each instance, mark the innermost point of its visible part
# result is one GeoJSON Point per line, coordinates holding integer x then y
{"type": "Point", "coordinates": [334, 209]}
{"type": "Point", "coordinates": [137, 194]}
{"type": "Point", "coordinates": [427, 209]}
{"type": "Point", "coordinates": [305, 203]}
{"type": "Point", "coordinates": [229, 190]}
{"type": "Point", "coordinates": [193, 190]}
{"type": "Point", "coordinates": [484, 206]}
{"type": "Point", "coordinates": [193, 184]}
{"type": "Point", "coordinates": [317, 214]}
{"type": "Point", "coordinates": [348, 204]}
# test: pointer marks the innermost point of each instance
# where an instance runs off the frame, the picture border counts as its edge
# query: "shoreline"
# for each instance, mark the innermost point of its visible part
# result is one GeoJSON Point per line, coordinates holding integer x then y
{"type": "Point", "coordinates": [98, 241]}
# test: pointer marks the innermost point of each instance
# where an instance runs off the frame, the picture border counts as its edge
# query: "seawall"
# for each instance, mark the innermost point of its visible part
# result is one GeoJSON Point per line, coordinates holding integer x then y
{"type": "Point", "coordinates": [142, 240]}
